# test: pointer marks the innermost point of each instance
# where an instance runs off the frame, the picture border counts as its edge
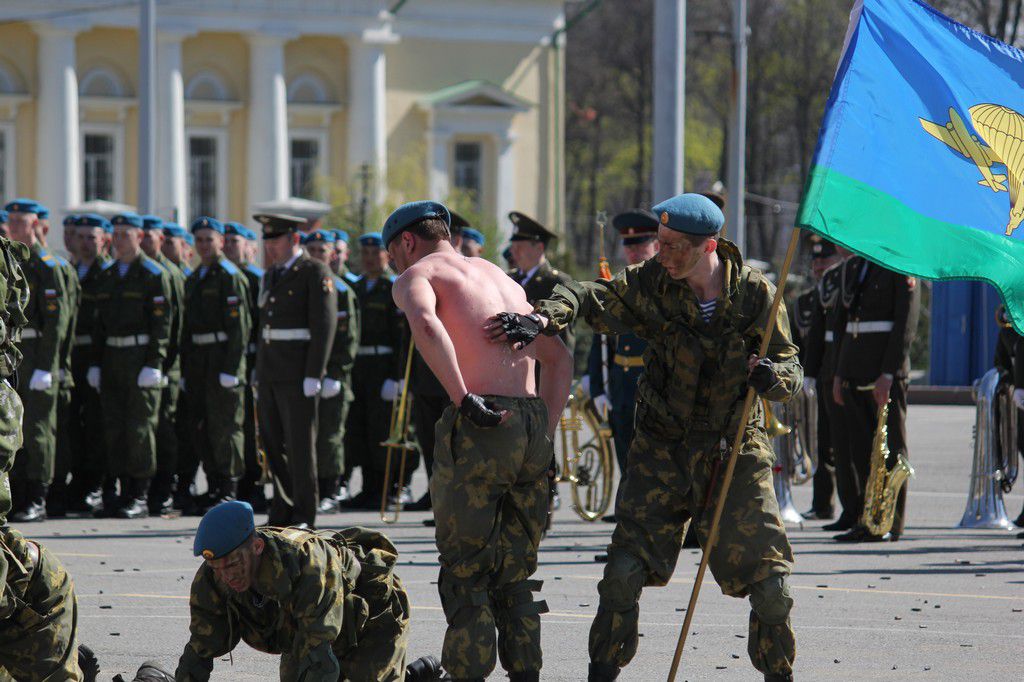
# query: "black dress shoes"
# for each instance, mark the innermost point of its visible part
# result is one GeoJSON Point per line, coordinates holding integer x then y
{"type": "Point", "coordinates": [861, 534]}
{"type": "Point", "coordinates": [819, 515]}
{"type": "Point", "coordinates": [839, 524]}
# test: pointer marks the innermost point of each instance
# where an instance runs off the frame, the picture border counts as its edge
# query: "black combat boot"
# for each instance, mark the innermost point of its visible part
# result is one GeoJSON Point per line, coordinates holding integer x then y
{"type": "Point", "coordinates": [525, 676]}
{"type": "Point", "coordinates": [602, 672]}
{"type": "Point", "coordinates": [110, 502]}
{"type": "Point", "coordinates": [424, 669]}
{"type": "Point", "coordinates": [88, 663]}
{"type": "Point", "coordinates": [778, 677]}
{"type": "Point", "coordinates": [161, 494]}
{"type": "Point", "coordinates": [135, 504]}
{"type": "Point", "coordinates": [227, 491]}
{"type": "Point", "coordinates": [57, 500]}
{"type": "Point", "coordinates": [34, 508]}
{"type": "Point", "coordinates": [203, 503]}
{"type": "Point", "coordinates": [328, 488]}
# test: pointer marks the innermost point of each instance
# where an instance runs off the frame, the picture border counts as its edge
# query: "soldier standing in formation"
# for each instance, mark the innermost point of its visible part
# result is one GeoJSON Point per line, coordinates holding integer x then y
{"type": "Point", "coordinates": [703, 313]}
{"type": "Point", "coordinates": [216, 332]}
{"type": "Point", "coordinates": [131, 335]}
{"type": "Point", "coordinates": [616, 361]}
{"type": "Point", "coordinates": [875, 325]}
{"type": "Point", "coordinates": [376, 373]}
{"type": "Point", "coordinates": [297, 319]}
{"type": "Point", "coordinates": [472, 243]}
{"type": "Point", "coordinates": [175, 246]}
{"type": "Point", "coordinates": [42, 349]}
{"type": "Point", "coordinates": [815, 309]}
{"type": "Point", "coordinates": [336, 392]}
{"type": "Point", "coordinates": [1009, 361]}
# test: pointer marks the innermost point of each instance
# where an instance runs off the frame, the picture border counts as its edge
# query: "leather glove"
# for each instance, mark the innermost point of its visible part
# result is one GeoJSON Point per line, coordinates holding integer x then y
{"type": "Point", "coordinates": [1018, 398]}
{"type": "Point", "coordinates": [762, 378]}
{"type": "Point", "coordinates": [810, 384]}
{"type": "Point", "coordinates": [520, 329]}
{"type": "Point", "coordinates": [149, 377]}
{"type": "Point", "coordinates": [310, 386]}
{"type": "Point", "coordinates": [602, 405]}
{"type": "Point", "coordinates": [40, 381]}
{"type": "Point", "coordinates": [391, 389]}
{"type": "Point", "coordinates": [92, 377]}
{"type": "Point", "coordinates": [331, 387]}
{"type": "Point", "coordinates": [479, 411]}
{"type": "Point", "coordinates": [229, 381]}
{"type": "Point", "coordinates": [585, 384]}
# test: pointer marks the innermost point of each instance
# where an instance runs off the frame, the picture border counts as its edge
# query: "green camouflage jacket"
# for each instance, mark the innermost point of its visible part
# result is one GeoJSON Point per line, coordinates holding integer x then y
{"type": "Point", "coordinates": [695, 373]}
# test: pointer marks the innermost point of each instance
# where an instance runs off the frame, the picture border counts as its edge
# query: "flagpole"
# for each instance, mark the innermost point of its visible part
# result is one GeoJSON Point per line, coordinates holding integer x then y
{"type": "Point", "coordinates": [737, 442]}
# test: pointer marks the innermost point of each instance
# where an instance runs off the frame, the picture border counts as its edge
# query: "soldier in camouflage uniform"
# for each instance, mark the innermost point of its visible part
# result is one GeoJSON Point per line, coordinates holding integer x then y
{"type": "Point", "coordinates": [14, 297]}
{"type": "Point", "coordinates": [131, 334]}
{"type": "Point", "coordinates": [329, 603]}
{"type": "Point", "coordinates": [336, 390]}
{"type": "Point", "coordinates": [42, 347]}
{"type": "Point", "coordinates": [214, 343]}
{"type": "Point", "coordinates": [703, 313]}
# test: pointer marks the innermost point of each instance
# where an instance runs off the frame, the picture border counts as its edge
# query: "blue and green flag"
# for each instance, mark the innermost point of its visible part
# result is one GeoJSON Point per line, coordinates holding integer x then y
{"type": "Point", "coordinates": [920, 160]}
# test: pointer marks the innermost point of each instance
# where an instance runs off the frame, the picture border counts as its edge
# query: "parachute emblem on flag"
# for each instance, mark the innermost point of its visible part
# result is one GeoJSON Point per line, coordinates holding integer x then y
{"type": "Point", "coordinates": [1001, 132]}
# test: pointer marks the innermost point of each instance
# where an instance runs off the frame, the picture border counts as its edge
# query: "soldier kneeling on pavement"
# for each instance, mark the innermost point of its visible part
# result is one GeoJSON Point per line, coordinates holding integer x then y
{"type": "Point", "coordinates": [329, 603]}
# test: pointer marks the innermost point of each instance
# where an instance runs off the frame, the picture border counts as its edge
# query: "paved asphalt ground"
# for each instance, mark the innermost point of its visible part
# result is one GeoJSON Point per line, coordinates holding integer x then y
{"type": "Point", "coordinates": [942, 604]}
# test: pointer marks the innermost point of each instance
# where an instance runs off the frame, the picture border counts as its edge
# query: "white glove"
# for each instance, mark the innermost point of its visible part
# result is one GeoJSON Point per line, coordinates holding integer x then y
{"type": "Point", "coordinates": [331, 387]}
{"type": "Point", "coordinates": [310, 387]}
{"type": "Point", "coordinates": [40, 381]}
{"type": "Point", "coordinates": [390, 390]}
{"type": "Point", "coordinates": [810, 383]}
{"type": "Point", "coordinates": [585, 384]}
{"type": "Point", "coordinates": [602, 405]}
{"type": "Point", "coordinates": [92, 377]}
{"type": "Point", "coordinates": [150, 377]}
{"type": "Point", "coordinates": [1018, 398]}
{"type": "Point", "coordinates": [229, 381]}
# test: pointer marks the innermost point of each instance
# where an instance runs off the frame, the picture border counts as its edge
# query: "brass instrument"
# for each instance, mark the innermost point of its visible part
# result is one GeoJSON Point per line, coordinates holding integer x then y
{"type": "Point", "coordinates": [985, 508]}
{"type": "Point", "coordinates": [587, 456]}
{"type": "Point", "coordinates": [883, 486]}
{"type": "Point", "coordinates": [779, 433]}
{"type": "Point", "coordinates": [398, 439]}
{"type": "Point", "coordinates": [772, 426]}
{"type": "Point", "coordinates": [261, 453]}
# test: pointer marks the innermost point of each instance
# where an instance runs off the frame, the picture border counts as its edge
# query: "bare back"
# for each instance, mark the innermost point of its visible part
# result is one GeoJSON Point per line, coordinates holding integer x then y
{"type": "Point", "coordinates": [469, 291]}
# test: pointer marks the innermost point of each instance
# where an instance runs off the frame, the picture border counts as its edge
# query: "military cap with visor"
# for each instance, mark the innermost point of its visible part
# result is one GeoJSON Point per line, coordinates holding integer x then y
{"type": "Point", "coordinates": [636, 226]}
{"type": "Point", "coordinates": [278, 224]}
{"type": "Point", "coordinates": [407, 215]}
{"type": "Point", "coordinates": [822, 249]}
{"type": "Point", "coordinates": [526, 229]}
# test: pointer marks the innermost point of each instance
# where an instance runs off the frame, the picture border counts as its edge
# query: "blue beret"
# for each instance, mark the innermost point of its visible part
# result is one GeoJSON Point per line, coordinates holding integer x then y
{"type": "Point", "coordinates": [207, 223]}
{"type": "Point", "coordinates": [473, 235]}
{"type": "Point", "coordinates": [70, 220]}
{"type": "Point", "coordinates": [174, 230]}
{"type": "Point", "coordinates": [43, 212]}
{"type": "Point", "coordinates": [23, 206]}
{"type": "Point", "coordinates": [318, 236]}
{"type": "Point", "coordinates": [223, 529]}
{"type": "Point", "coordinates": [189, 239]}
{"type": "Point", "coordinates": [94, 220]}
{"type": "Point", "coordinates": [152, 222]}
{"type": "Point", "coordinates": [340, 236]}
{"type": "Point", "coordinates": [129, 219]}
{"type": "Point", "coordinates": [690, 214]}
{"type": "Point", "coordinates": [235, 228]}
{"type": "Point", "coordinates": [3, 216]}
{"type": "Point", "coordinates": [251, 235]}
{"type": "Point", "coordinates": [407, 215]}
{"type": "Point", "coordinates": [371, 239]}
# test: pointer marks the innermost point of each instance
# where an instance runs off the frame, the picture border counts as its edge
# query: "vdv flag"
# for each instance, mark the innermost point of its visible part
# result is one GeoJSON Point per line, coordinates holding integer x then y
{"type": "Point", "coordinates": [920, 159]}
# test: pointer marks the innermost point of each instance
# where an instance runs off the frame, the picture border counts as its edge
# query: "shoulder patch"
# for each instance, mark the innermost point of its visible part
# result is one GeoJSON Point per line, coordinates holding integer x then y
{"type": "Point", "coordinates": [105, 265]}
{"type": "Point", "coordinates": [352, 277]}
{"type": "Point", "coordinates": [63, 261]}
{"type": "Point", "coordinates": [392, 278]}
{"type": "Point", "coordinates": [228, 266]}
{"type": "Point", "coordinates": [339, 283]}
{"type": "Point", "coordinates": [152, 266]}
{"type": "Point", "coordinates": [250, 268]}
{"type": "Point", "coordinates": [50, 261]}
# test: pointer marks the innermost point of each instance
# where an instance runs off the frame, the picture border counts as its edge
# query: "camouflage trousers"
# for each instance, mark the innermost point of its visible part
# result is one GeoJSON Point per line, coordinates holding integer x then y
{"type": "Point", "coordinates": [490, 494]}
{"type": "Point", "coordinates": [38, 614]}
{"type": "Point", "coordinates": [10, 442]}
{"type": "Point", "coordinates": [665, 486]}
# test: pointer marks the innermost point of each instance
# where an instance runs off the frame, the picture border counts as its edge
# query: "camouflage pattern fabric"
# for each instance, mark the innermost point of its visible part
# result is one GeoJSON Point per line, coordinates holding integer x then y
{"type": "Point", "coordinates": [38, 614]}
{"type": "Point", "coordinates": [688, 411]}
{"type": "Point", "coordinates": [329, 603]}
{"type": "Point", "coordinates": [490, 494]}
{"type": "Point", "coordinates": [13, 299]}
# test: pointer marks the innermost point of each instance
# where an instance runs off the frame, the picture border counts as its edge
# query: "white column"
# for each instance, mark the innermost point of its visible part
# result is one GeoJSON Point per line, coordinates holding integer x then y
{"type": "Point", "coordinates": [58, 169]}
{"type": "Point", "coordinates": [367, 113]}
{"type": "Point", "coordinates": [171, 171]}
{"type": "Point", "coordinates": [440, 142]}
{"type": "Point", "coordinates": [267, 166]}
{"type": "Point", "coordinates": [505, 183]}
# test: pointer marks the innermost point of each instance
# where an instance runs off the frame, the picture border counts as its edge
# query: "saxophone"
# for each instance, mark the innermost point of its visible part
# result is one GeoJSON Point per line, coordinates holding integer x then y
{"type": "Point", "coordinates": [883, 486]}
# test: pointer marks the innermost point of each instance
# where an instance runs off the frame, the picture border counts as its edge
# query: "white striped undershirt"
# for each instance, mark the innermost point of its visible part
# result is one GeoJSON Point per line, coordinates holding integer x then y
{"type": "Point", "coordinates": [707, 309]}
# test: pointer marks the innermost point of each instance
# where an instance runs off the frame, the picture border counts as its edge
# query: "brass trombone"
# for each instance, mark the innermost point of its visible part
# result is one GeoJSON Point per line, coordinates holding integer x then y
{"type": "Point", "coordinates": [398, 439]}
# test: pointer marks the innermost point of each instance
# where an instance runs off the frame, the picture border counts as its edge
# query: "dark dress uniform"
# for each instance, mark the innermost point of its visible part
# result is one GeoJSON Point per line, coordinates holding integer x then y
{"type": "Point", "coordinates": [428, 404]}
{"type": "Point", "coordinates": [378, 359]}
{"type": "Point", "coordinates": [215, 337]}
{"type": "Point", "coordinates": [875, 326]}
{"type": "Point", "coordinates": [42, 348]}
{"type": "Point", "coordinates": [620, 360]}
{"type": "Point", "coordinates": [297, 319]}
{"type": "Point", "coordinates": [56, 500]}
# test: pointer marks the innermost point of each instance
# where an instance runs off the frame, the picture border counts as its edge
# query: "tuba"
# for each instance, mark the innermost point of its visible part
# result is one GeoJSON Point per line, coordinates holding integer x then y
{"type": "Point", "coordinates": [782, 470]}
{"type": "Point", "coordinates": [883, 486]}
{"type": "Point", "coordinates": [398, 439]}
{"type": "Point", "coordinates": [985, 508]}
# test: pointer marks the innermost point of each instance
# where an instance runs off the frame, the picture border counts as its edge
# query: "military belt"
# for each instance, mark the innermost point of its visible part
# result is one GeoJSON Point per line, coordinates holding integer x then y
{"type": "Point", "coordinates": [83, 340]}
{"type": "Point", "coordinates": [874, 327]}
{"type": "Point", "coordinates": [830, 336]}
{"type": "Point", "coordinates": [375, 350]}
{"type": "Point", "coordinates": [629, 361]}
{"type": "Point", "coordinates": [30, 333]}
{"type": "Point", "coordinates": [210, 338]}
{"type": "Point", "coordinates": [128, 341]}
{"type": "Point", "coordinates": [286, 334]}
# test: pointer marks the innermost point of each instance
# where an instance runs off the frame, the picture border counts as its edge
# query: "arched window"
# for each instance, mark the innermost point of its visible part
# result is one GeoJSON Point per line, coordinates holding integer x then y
{"type": "Point", "coordinates": [208, 85]}
{"type": "Point", "coordinates": [309, 88]}
{"type": "Point", "coordinates": [103, 81]}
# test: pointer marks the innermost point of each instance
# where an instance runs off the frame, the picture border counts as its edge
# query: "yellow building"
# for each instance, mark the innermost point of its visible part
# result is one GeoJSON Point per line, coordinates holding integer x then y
{"type": "Point", "coordinates": [261, 100]}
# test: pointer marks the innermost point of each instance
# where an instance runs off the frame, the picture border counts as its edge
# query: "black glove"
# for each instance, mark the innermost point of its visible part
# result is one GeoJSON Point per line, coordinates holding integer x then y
{"type": "Point", "coordinates": [479, 411]}
{"type": "Point", "coordinates": [762, 378]}
{"type": "Point", "coordinates": [520, 328]}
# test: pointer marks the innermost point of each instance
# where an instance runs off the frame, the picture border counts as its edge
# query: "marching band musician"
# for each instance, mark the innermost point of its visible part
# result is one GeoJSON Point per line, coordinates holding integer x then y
{"type": "Point", "coordinates": [1009, 360]}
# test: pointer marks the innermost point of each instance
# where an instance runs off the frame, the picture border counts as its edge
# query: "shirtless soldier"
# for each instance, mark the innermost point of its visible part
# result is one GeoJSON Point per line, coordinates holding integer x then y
{"type": "Point", "coordinates": [493, 448]}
